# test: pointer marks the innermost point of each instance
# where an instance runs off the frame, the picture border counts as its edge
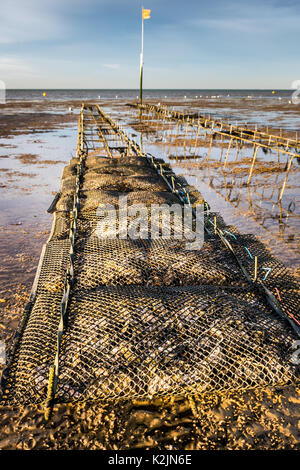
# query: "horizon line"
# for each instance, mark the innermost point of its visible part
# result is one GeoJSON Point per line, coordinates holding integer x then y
{"type": "Point", "coordinates": [150, 89]}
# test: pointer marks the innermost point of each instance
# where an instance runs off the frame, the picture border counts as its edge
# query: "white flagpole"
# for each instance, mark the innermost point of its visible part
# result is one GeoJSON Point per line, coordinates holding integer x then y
{"type": "Point", "coordinates": [142, 60]}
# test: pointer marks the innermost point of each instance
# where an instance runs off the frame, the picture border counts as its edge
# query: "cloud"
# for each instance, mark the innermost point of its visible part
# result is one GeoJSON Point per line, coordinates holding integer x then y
{"type": "Point", "coordinates": [39, 20]}
{"type": "Point", "coordinates": [29, 20]}
{"type": "Point", "coordinates": [237, 24]}
{"type": "Point", "coordinates": [9, 64]}
{"type": "Point", "coordinates": [12, 68]}
{"type": "Point", "coordinates": [262, 17]}
{"type": "Point", "coordinates": [252, 26]}
{"type": "Point", "coordinates": [111, 66]}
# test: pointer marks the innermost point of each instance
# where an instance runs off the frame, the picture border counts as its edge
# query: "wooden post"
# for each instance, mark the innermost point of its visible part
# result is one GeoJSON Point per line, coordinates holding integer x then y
{"type": "Point", "coordinates": [227, 153]}
{"type": "Point", "coordinates": [222, 148]}
{"type": "Point", "coordinates": [210, 144]}
{"type": "Point", "coordinates": [157, 125]}
{"type": "Point", "coordinates": [185, 136]}
{"type": "Point", "coordinates": [255, 268]}
{"type": "Point", "coordinates": [196, 141]}
{"type": "Point", "coordinates": [253, 162]}
{"type": "Point", "coordinates": [249, 198]}
{"type": "Point", "coordinates": [285, 179]}
{"type": "Point", "coordinates": [163, 121]}
{"type": "Point", "coordinates": [173, 183]}
{"type": "Point", "coordinates": [177, 129]}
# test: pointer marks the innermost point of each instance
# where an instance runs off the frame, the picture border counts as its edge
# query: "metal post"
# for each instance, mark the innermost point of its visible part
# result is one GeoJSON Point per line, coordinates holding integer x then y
{"type": "Point", "coordinates": [141, 62]}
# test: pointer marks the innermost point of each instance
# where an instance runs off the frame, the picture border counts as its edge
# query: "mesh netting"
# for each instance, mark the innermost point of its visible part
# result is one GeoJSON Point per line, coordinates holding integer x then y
{"type": "Point", "coordinates": [151, 341]}
{"type": "Point", "coordinates": [271, 271]}
{"type": "Point", "coordinates": [98, 165]}
{"type": "Point", "coordinates": [148, 318]}
{"type": "Point", "coordinates": [118, 182]}
{"type": "Point", "coordinates": [93, 199]}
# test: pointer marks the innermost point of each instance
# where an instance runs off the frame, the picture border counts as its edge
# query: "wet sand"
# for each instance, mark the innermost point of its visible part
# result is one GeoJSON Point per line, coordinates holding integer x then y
{"type": "Point", "coordinates": [34, 147]}
{"type": "Point", "coordinates": [37, 140]}
{"type": "Point", "coordinates": [260, 420]}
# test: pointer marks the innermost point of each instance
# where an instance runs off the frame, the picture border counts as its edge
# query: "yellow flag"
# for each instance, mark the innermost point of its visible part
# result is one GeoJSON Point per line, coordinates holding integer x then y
{"type": "Point", "coordinates": [146, 14]}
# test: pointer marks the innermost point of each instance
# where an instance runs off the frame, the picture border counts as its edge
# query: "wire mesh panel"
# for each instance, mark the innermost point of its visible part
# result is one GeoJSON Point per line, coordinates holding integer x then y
{"type": "Point", "coordinates": [149, 262]}
{"type": "Point", "coordinates": [151, 341]}
{"type": "Point", "coordinates": [116, 181]}
{"type": "Point", "coordinates": [53, 270]}
{"type": "Point", "coordinates": [93, 199]}
{"type": "Point", "coordinates": [268, 269]}
{"type": "Point", "coordinates": [139, 342]}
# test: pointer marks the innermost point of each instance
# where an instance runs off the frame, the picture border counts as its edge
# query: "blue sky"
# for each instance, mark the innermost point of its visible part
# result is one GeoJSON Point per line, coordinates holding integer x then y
{"type": "Point", "coordinates": [188, 43]}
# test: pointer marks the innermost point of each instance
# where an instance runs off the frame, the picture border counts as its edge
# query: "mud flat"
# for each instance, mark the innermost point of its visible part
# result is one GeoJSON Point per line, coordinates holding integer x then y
{"type": "Point", "coordinates": [35, 143]}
